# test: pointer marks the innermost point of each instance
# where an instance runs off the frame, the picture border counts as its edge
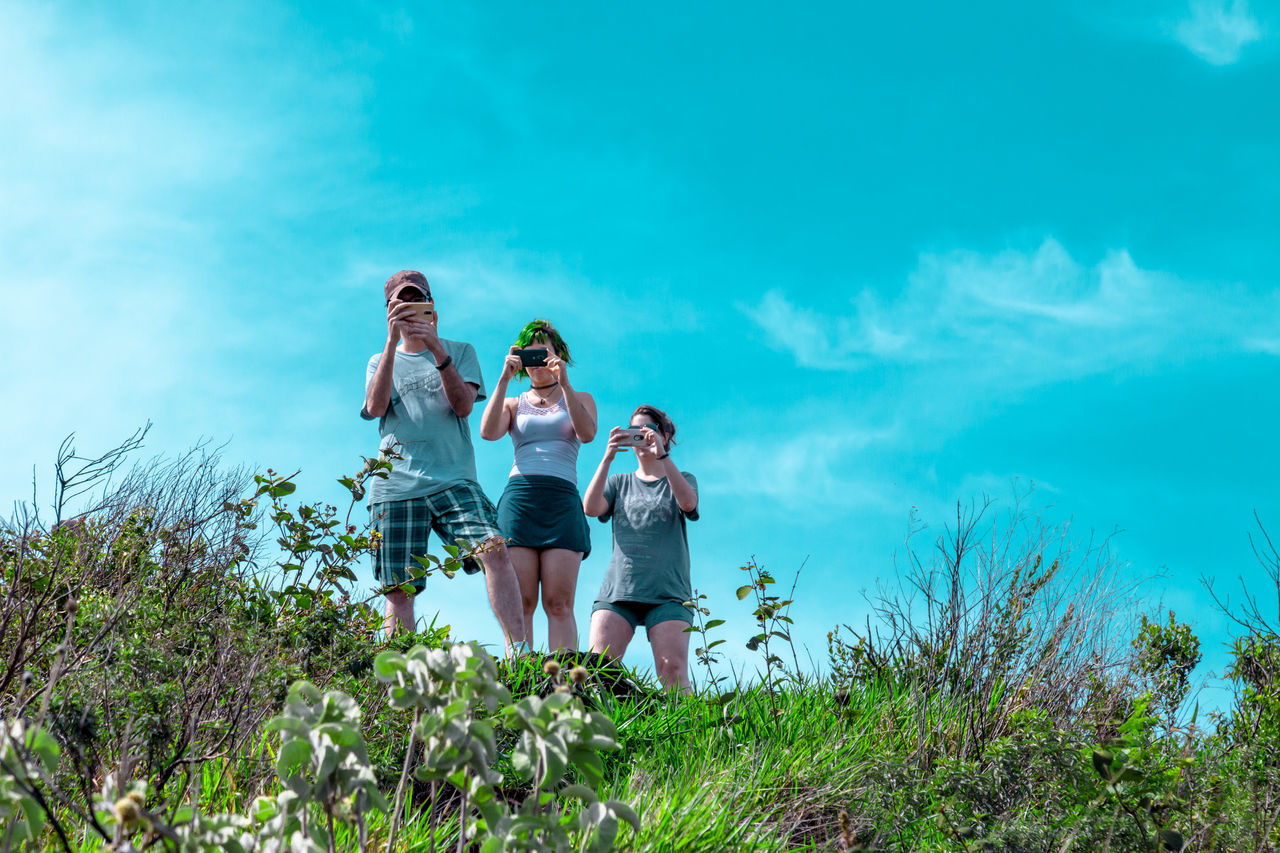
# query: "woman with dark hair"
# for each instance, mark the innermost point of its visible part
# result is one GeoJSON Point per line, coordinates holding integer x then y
{"type": "Point", "coordinates": [648, 576]}
{"type": "Point", "coordinates": [540, 513]}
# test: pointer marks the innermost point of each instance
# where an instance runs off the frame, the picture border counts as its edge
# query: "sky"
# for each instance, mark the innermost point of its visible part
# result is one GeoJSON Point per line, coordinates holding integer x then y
{"type": "Point", "coordinates": [874, 261]}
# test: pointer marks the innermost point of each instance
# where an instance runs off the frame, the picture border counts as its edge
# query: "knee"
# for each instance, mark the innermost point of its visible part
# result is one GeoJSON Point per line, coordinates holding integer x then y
{"type": "Point", "coordinates": [529, 599]}
{"type": "Point", "coordinates": [557, 606]}
{"type": "Point", "coordinates": [671, 670]}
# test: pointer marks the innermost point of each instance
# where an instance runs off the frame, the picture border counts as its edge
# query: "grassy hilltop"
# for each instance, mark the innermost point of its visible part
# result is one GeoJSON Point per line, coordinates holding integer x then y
{"type": "Point", "coordinates": [166, 685]}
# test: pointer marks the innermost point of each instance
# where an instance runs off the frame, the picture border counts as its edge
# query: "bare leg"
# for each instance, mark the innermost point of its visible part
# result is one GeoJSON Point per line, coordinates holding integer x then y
{"type": "Point", "coordinates": [525, 563]}
{"type": "Point", "coordinates": [399, 612]}
{"type": "Point", "coordinates": [610, 634]}
{"type": "Point", "coordinates": [671, 654]}
{"type": "Point", "coordinates": [504, 593]}
{"type": "Point", "coordinates": [559, 582]}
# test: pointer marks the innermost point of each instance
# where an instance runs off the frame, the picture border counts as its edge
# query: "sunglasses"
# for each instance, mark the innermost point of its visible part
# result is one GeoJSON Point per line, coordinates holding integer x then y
{"type": "Point", "coordinates": [413, 295]}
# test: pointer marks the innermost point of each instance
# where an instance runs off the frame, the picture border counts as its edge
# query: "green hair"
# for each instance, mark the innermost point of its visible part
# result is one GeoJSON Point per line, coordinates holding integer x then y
{"type": "Point", "coordinates": [541, 331]}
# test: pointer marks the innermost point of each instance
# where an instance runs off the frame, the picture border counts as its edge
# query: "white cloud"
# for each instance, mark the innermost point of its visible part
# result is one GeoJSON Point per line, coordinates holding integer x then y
{"type": "Point", "coordinates": [1217, 31]}
{"type": "Point", "coordinates": [1022, 318]}
{"type": "Point", "coordinates": [804, 467]}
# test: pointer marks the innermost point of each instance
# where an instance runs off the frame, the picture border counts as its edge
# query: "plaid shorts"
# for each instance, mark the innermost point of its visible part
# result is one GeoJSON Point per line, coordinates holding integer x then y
{"type": "Point", "coordinates": [459, 512]}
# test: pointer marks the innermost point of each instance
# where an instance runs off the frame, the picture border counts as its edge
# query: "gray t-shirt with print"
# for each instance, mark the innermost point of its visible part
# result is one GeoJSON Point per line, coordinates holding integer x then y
{"type": "Point", "coordinates": [650, 562]}
{"type": "Point", "coordinates": [421, 426]}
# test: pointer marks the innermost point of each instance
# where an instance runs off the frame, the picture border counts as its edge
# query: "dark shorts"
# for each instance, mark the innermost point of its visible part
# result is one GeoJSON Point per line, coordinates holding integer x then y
{"type": "Point", "coordinates": [460, 512]}
{"type": "Point", "coordinates": [647, 613]}
{"type": "Point", "coordinates": [538, 511]}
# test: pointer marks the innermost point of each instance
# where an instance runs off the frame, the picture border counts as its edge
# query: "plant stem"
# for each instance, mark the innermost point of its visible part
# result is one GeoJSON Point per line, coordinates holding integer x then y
{"type": "Point", "coordinates": [404, 775]}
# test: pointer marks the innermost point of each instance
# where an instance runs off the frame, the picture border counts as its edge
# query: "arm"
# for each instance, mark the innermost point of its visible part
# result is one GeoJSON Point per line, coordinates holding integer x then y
{"type": "Point", "coordinates": [461, 395]}
{"type": "Point", "coordinates": [377, 396]}
{"type": "Point", "coordinates": [593, 502]}
{"type": "Point", "coordinates": [498, 412]}
{"type": "Point", "coordinates": [684, 493]}
{"type": "Point", "coordinates": [581, 405]}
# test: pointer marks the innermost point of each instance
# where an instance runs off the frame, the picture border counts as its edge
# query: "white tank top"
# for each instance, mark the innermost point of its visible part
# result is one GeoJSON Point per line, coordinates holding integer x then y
{"type": "Point", "coordinates": [544, 440]}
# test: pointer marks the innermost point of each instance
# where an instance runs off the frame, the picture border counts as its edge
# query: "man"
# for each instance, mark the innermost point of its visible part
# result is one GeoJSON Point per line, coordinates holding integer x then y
{"type": "Point", "coordinates": [421, 392]}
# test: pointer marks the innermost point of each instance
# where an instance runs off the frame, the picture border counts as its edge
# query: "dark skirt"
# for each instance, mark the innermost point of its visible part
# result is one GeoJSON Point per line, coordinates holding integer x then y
{"type": "Point", "coordinates": [538, 511]}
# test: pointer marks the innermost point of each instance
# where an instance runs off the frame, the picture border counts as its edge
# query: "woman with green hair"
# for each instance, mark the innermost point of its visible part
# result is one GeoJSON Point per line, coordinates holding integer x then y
{"type": "Point", "coordinates": [540, 512]}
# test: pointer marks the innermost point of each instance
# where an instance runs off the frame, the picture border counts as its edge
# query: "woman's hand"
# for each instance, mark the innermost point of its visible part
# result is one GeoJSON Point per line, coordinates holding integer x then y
{"type": "Point", "coordinates": [656, 445]}
{"type": "Point", "coordinates": [511, 365]}
{"type": "Point", "coordinates": [558, 368]}
{"type": "Point", "coordinates": [617, 441]}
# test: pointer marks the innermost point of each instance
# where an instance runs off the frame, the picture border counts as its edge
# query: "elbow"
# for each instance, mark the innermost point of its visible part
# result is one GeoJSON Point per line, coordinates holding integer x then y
{"type": "Point", "coordinates": [464, 409]}
{"type": "Point", "coordinates": [489, 433]}
{"type": "Point", "coordinates": [687, 506]}
{"type": "Point", "coordinates": [588, 435]}
{"type": "Point", "coordinates": [591, 510]}
{"type": "Point", "coordinates": [374, 410]}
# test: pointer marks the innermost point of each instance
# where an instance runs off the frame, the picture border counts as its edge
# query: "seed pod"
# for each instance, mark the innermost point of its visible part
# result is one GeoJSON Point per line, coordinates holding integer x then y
{"type": "Point", "coordinates": [126, 810]}
{"type": "Point", "coordinates": [578, 675]}
{"type": "Point", "coordinates": [551, 668]}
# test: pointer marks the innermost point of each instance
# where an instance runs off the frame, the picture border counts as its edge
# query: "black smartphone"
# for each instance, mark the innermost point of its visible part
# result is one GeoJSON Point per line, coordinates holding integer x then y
{"type": "Point", "coordinates": [532, 357]}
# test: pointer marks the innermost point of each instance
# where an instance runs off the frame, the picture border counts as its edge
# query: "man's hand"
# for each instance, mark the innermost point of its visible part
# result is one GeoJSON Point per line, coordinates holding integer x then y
{"type": "Point", "coordinates": [397, 313]}
{"type": "Point", "coordinates": [420, 329]}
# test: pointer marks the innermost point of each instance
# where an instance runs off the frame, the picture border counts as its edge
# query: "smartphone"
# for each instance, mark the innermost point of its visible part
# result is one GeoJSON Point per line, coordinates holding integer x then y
{"type": "Point", "coordinates": [425, 310]}
{"type": "Point", "coordinates": [634, 435]}
{"type": "Point", "coordinates": [532, 357]}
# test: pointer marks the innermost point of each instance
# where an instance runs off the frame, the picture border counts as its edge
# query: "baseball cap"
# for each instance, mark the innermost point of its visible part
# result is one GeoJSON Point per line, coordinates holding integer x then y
{"type": "Point", "coordinates": [404, 280]}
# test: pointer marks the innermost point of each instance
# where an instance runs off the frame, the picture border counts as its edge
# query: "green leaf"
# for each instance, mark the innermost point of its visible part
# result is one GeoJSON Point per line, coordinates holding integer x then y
{"type": "Point", "coordinates": [294, 756]}
{"type": "Point", "coordinates": [1102, 759]}
{"type": "Point", "coordinates": [625, 812]}
{"type": "Point", "coordinates": [1131, 774]}
{"type": "Point", "coordinates": [744, 591]}
{"type": "Point", "coordinates": [714, 623]}
{"type": "Point", "coordinates": [590, 765]}
{"type": "Point", "coordinates": [579, 792]}
{"type": "Point", "coordinates": [556, 701]}
{"type": "Point", "coordinates": [44, 745]}
{"type": "Point", "coordinates": [387, 664]}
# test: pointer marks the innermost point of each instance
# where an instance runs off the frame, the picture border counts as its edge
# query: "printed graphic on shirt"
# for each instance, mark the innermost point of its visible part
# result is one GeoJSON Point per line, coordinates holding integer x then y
{"type": "Point", "coordinates": [428, 382]}
{"type": "Point", "coordinates": [644, 507]}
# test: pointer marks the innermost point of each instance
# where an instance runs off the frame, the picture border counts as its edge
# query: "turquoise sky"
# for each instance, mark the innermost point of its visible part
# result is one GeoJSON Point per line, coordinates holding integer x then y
{"type": "Point", "coordinates": [870, 259]}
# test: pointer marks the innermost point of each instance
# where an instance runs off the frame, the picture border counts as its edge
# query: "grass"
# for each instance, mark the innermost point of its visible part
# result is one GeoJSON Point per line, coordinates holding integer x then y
{"type": "Point", "coordinates": [998, 703]}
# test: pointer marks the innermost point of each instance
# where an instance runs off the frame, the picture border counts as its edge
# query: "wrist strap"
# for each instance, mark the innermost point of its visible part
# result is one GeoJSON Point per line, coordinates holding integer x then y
{"type": "Point", "coordinates": [664, 456]}
{"type": "Point", "coordinates": [448, 360]}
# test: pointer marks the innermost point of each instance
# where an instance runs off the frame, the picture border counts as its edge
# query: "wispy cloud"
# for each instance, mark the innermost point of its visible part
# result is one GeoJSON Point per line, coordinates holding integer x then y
{"type": "Point", "coordinates": [1023, 318]}
{"type": "Point", "coordinates": [804, 466]}
{"type": "Point", "coordinates": [1217, 31]}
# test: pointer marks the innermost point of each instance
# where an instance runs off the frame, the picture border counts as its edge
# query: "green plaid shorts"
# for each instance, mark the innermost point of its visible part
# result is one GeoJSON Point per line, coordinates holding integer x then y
{"type": "Point", "coordinates": [459, 512]}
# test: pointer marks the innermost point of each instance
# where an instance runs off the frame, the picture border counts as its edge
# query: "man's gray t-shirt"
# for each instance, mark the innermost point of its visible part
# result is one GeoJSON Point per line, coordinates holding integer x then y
{"type": "Point", "coordinates": [422, 427]}
{"type": "Point", "coordinates": [650, 562]}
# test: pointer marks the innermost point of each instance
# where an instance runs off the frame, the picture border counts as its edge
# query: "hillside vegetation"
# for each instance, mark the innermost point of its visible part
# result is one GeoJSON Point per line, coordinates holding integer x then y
{"type": "Point", "coordinates": [187, 664]}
